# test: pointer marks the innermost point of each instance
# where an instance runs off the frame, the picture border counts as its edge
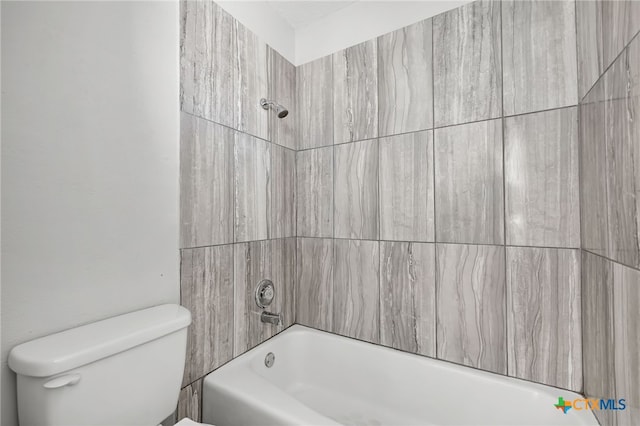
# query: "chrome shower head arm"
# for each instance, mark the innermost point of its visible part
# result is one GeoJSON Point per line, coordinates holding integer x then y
{"type": "Point", "coordinates": [265, 104]}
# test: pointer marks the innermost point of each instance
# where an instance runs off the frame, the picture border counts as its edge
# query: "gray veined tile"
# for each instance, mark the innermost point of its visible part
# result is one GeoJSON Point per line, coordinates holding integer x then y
{"type": "Point", "coordinates": [543, 316]}
{"type": "Point", "coordinates": [190, 402]}
{"type": "Point", "coordinates": [251, 83]}
{"type": "Point", "coordinates": [315, 103]}
{"type": "Point", "coordinates": [315, 192]}
{"type": "Point", "coordinates": [467, 63]}
{"type": "Point", "coordinates": [407, 297]}
{"type": "Point", "coordinates": [589, 39]}
{"type": "Point", "coordinates": [206, 289]}
{"type": "Point", "coordinates": [406, 187]}
{"type": "Point", "coordinates": [598, 331]}
{"type": "Point", "coordinates": [356, 291]}
{"type": "Point", "coordinates": [252, 188]}
{"type": "Point", "coordinates": [541, 179]}
{"type": "Point", "coordinates": [283, 261]}
{"type": "Point", "coordinates": [206, 182]}
{"type": "Point", "coordinates": [470, 306]}
{"type": "Point", "coordinates": [355, 93]}
{"type": "Point", "coordinates": [622, 93]}
{"type": "Point", "coordinates": [405, 79]}
{"type": "Point", "coordinates": [282, 89]}
{"type": "Point", "coordinates": [207, 49]}
{"type": "Point", "coordinates": [593, 172]}
{"type": "Point", "coordinates": [171, 420]}
{"type": "Point", "coordinates": [315, 282]}
{"type": "Point", "coordinates": [253, 262]}
{"type": "Point", "coordinates": [539, 48]}
{"type": "Point", "coordinates": [620, 23]}
{"type": "Point", "coordinates": [283, 189]}
{"type": "Point", "coordinates": [626, 309]}
{"type": "Point", "coordinates": [356, 190]}
{"type": "Point", "coordinates": [468, 181]}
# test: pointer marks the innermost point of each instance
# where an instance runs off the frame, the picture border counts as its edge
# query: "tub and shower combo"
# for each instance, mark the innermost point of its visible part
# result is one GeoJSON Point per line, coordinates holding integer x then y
{"type": "Point", "coordinates": [308, 377]}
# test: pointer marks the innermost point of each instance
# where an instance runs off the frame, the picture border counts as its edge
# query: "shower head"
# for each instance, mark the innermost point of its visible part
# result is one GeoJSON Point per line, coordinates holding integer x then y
{"type": "Point", "coordinates": [281, 111]}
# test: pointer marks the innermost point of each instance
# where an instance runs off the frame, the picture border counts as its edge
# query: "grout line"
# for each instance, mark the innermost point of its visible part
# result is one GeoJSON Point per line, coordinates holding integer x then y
{"type": "Point", "coordinates": [444, 243]}
{"type": "Point", "coordinates": [435, 358]}
{"type": "Point", "coordinates": [333, 167]}
{"type": "Point", "coordinates": [236, 356]}
{"type": "Point", "coordinates": [236, 130]}
{"type": "Point", "coordinates": [504, 201]}
{"type": "Point", "coordinates": [433, 175]}
{"type": "Point", "coordinates": [579, 77]}
{"type": "Point", "coordinates": [331, 319]}
{"type": "Point", "coordinates": [378, 203]}
{"type": "Point", "coordinates": [236, 242]}
{"type": "Point", "coordinates": [575, 28]}
{"type": "Point", "coordinates": [445, 127]}
{"type": "Point", "coordinates": [611, 260]}
{"type": "Point", "coordinates": [624, 49]}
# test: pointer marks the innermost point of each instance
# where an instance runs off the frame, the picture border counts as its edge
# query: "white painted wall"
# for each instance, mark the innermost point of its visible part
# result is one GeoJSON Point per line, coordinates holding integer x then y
{"type": "Point", "coordinates": [90, 131]}
{"type": "Point", "coordinates": [353, 24]}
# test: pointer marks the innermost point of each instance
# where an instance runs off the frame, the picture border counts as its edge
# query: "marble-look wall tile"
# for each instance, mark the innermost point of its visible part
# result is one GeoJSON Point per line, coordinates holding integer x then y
{"type": "Point", "coordinates": [468, 181]}
{"type": "Point", "coordinates": [356, 290]}
{"type": "Point", "coordinates": [315, 192]}
{"type": "Point", "coordinates": [406, 187]}
{"type": "Point", "coordinates": [543, 316]}
{"type": "Point", "coordinates": [598, 331]}
{"type": "Point", "coordinates": [252, 188]}
{"type": "Point", "coordinates": [283, 261]}
{"type": "Point", "coordinates": [282, 89]}
{"type": "Point", "coordinates": [541, 179]}
{"type": "Point", "coordinates": [589, 39]}
{"type": "Point", "coordinates": [407, 297]}
{"type": "Point", "coordinates": [622, 92]}
{"type": "Point", "coordinates": [283, 193]}
{"type": "Point", "coordinates": [620, 23]}
{"type": "Point", "coordinates": [405, 79]}
{"type": "Point", "coordinates": [315, 282]}
{"type": "Point", "coordinates": [470, 306]}
{"type": "Point", "coordinates": [190, 402]}
{"type": "Point", "coordinates": [251, 83]}
{"type": "Point", "coordinates": [356, 190]}
{"type": "Point", "coordinates": [207, 49]}
{"type": "Point", "coordinates": [171, 420]}
{"type": "Point", "coordinates": [467, 64]}
{"type": "Point", "coordinates": [355, 93]}
{"type": "Point", "coordinates": [626, 302]}
{"type": "Point", "coordinates": [539, 48]}
{"type": "Point", "coordinates": [206, 289]}
{"type": "Point", "coordinates": [315, 103]}
{"type": "Point", "coordinates": [593, 173]}
{"type": "Point", "coordinates": [206, 182]}
{"type": "Point", "coordinates": [253, 262]}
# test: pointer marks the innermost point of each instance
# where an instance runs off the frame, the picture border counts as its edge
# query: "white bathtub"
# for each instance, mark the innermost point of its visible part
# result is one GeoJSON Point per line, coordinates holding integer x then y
{"type": "Point", "coordinates": [322, 379]}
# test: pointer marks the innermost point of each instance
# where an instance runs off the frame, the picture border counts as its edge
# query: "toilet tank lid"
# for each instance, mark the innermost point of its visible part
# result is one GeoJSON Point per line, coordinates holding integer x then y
{"type": "Point", "coordinates": [82, 345]}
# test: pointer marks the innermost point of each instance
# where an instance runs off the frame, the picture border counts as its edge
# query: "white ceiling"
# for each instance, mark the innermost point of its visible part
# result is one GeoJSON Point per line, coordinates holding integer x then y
{"type": "Point", "coordinates": [303, 12]}
{"type": "Point", "coordinates": [304, 30]}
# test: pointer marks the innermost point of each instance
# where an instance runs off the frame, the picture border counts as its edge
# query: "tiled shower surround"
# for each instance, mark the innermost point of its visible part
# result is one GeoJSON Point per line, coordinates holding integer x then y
{"type": "Point", "coordinates": [609, 82]}
{"type": "Point", "coordinates": [465, 188]}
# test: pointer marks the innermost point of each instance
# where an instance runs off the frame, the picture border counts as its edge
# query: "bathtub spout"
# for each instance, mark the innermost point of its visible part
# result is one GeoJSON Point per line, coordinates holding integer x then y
{"type": "Point", "coordinates": [270, 318]}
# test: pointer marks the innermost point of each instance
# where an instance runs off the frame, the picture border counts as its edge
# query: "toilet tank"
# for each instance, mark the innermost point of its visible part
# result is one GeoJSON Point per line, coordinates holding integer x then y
{"type": "Point", "coordinates": [125, 370]}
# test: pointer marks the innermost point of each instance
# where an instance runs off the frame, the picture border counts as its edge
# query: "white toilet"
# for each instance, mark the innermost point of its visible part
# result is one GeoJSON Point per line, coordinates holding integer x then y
{"type": "Point", "coordinates": [122, 371]}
